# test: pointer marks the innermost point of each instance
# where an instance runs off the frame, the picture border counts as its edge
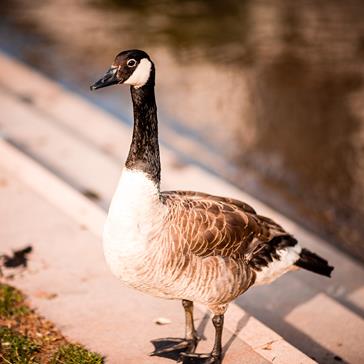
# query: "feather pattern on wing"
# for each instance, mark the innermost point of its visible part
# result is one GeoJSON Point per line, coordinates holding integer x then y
{"type": "Point", "coordinates": [218, 226]}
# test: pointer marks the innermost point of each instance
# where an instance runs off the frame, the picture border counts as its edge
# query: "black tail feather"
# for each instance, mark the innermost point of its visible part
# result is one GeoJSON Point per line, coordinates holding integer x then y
{"type": "Point", "coordinates": [314, 263]}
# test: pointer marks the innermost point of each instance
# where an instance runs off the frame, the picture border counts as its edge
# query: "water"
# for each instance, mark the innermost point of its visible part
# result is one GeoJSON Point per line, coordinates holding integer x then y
{"type": "Point", "coordinates": [267, 94]}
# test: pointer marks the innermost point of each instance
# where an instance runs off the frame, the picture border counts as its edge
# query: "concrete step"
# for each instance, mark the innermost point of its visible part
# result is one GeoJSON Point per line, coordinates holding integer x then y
{"type": "Point", "coordinates": [53, 146]}
{"type": "Point", "coordinates": [90, 306]}
{"type": "Point", "coordinates": [272, 303]}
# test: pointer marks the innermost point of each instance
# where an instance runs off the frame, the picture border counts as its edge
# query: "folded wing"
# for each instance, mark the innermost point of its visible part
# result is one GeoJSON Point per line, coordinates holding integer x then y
{"type": "Point", "coordinates": [210, 225]}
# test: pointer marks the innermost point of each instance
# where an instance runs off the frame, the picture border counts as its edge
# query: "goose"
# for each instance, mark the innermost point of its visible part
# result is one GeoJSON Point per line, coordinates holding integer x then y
{"type": "Point", "coordinates": [189, 246]}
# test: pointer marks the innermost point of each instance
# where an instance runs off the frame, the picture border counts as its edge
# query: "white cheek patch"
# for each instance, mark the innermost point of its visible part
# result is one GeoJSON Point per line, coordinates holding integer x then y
{"type": "Point", "coordinates": [141, 74]}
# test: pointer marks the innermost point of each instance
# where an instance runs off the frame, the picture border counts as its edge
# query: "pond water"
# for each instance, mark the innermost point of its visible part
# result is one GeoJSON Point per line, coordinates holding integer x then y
{"type": "Point", "coordinates": [267, 94]}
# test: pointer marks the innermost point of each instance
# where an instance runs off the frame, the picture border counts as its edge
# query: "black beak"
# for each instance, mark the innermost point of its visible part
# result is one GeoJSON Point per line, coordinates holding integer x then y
{"type": "Point", "coordinates": [107, 80]}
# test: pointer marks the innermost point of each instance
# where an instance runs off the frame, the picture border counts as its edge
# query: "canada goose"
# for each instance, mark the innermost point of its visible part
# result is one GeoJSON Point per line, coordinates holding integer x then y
{"type": "Point", "coordinates": [186, 245]}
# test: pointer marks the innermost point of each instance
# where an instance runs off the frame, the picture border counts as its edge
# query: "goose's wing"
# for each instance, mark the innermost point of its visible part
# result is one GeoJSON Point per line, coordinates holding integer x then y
{"type": "Point", "coordinates": [212, 225]}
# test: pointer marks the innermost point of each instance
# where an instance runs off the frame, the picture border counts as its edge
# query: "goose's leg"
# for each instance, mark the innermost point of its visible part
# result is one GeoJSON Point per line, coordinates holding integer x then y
{"type": "Point", "coordinates": [170, 345]}
{"type": "Point", "coordinates": [218, 321]}
{"type": "Point", "coordinates": [215, 356]}
{"type": "Point", "coordinates": [190, 331]}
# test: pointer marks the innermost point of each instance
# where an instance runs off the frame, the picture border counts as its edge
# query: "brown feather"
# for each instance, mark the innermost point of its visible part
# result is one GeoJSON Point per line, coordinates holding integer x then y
{"type": "Point", "coordinates": [218, 226]}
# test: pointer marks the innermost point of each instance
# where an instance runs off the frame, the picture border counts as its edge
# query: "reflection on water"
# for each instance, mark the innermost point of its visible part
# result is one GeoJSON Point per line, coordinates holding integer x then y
{"type": "Point", "coordinates": [268, 94]}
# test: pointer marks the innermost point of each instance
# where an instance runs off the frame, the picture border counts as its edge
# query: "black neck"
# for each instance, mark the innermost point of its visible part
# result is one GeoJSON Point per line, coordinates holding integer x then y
{"type": "Point", "coordinates": [144, 149]}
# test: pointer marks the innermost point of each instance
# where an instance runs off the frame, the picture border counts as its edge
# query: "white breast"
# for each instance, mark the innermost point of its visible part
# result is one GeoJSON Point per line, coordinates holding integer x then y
{"type": "Point", "coordinates": [134, 215]}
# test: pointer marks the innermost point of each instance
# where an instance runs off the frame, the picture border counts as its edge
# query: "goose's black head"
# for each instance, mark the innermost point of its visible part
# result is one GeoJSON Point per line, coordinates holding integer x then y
{"type": "Point", "coordinates": [132, 67]}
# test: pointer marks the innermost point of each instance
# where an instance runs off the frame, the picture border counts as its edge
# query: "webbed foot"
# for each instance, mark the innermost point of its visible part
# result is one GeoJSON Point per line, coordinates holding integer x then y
{"type": "Point", "coordinates": [193, 358]}
{"type": "Point", "coordinates": [172, 348]}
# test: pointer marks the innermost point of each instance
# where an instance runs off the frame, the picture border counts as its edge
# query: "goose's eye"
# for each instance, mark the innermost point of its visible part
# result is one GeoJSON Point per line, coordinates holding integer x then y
{"type": "Point", "coordinates": [131, 63]}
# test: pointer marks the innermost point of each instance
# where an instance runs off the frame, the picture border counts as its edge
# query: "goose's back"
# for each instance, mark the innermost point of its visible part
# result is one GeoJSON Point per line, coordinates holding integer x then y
{"type": "Point", "coordinates": [217, 226]}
